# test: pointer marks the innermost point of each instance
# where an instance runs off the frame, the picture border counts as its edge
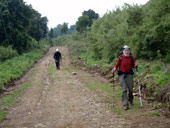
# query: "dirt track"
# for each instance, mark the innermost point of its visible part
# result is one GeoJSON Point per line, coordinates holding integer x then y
{"type": "Point", "coordinates": [58, 99]}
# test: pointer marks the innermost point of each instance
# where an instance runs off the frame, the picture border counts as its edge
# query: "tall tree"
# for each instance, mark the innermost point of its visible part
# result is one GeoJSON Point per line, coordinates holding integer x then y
{"type": "Point", "coordinates": [57, 31]}
{"type": "Point", "coordinates": [19, 23]}
{"type": "Point", "coordinates": [82, 23]}
{"type": "Point", "coordinates": [92, 15]}
{"type": "Point", "coordinates": [86, 20]}
{"type": "Point", "coordinates": [38, 26]}
{"type": "Point", "coordinates": [71, 29]}
{"type": "Point", "coordinates": [51, 33]}
{"type": "Point", "coordinates": [64, 28]}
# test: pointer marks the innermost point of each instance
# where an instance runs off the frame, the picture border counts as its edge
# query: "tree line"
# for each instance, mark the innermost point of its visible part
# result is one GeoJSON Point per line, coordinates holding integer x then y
{"type": "Point", "coordinates": [81, 25]}
{"type": "Point", "coordinates": [145, 28]}
{"type": "Point", "coordinates": [20, 24]}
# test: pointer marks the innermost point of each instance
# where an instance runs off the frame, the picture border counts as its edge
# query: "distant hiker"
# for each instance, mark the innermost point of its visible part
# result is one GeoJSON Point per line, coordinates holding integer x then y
{"type": "Point", "coordinates": [57, 57]}
{"type": "Point", "coordinates": [126, 63]}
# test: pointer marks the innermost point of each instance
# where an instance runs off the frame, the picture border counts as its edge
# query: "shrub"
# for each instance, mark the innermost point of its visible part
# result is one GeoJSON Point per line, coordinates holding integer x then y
{"type": "Point", "coordinates": [7, 53]}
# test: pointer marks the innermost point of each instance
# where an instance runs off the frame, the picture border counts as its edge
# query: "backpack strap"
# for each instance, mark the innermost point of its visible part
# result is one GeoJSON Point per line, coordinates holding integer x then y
{"type": "Point", "coordinates": [132, 61]}
{"type": "Point", "coordinates": [120, 60]}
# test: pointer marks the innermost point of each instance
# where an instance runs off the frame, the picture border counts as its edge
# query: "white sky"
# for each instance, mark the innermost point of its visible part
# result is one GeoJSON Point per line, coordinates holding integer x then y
{"type": "Point", "coordinates": [60, 11]}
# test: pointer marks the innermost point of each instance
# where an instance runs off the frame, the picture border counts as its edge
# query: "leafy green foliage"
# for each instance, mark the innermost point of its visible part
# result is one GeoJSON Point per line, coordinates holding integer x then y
{"type": "Point", "coordinates": [60, 30]}
{"type": "Point", "coordinates": [7, 53]}
{"type": "Point", "coordinates": [64, 28]}
{"type": "Point", "coordinates": [82, 23]}
{"type": "Point", "coordinates": [16, 67]}
{"type": "Point", "coordinates": [92, 16]}
{"type": "Point", "coordinates": [86, 20]}
{"type": "Point", "coordinates": [71, 29]}
{"type": "Point", "coordinates": [158, 71]}
{"type": "Point", "coordinates": [19, 23]}
{"type": "Point", "coordinates": [51, 33]}
{"type": "Point", "coordinates": [2, 115]}
{"type": "Point", "coordinates": [154, 113]}
{"type": "Point", "coordinates": [144, 28]}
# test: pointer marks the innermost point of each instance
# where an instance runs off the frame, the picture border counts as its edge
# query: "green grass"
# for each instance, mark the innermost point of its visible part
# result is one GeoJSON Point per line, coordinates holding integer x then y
{"type": "Point", "coordinates": [68, 69]}
{"type": "Point", "coordinates": [2, 115]}
{"type": "Point", "coordinates": [34, 73]}
{"type": "Point", "coordinates": [92, 62]}
{"type": "Point", "coordinates": [158, 72]}
{"type": "Point", "coordinates": [26, 86]}
{"type": "Point", "coordinates": [163, 79]}
{"type": "Point", "coordinates": [16, 67]}
{"type": "Point", "coordinates": [7, 53]}
{"type": "Point", "coordinates": [9, 101]}
{"type": "Point", "coordinates": [51, 70]}
{"type": "Point", "coordinates": [136, 105]}
{"type": "Point", "coordinates": [91, 87]}
{"type": "Point", "coordinates": [106, 88]}
{"type": "Point", "coordinates": [154, 113]}
{"type": "Point", "coordinates": [117, 110]}
{"type": "Point", "coordinates": [117, 92]}
{"type": "Point", "coordinates": [94, 82]}
{"type": "Point", "coordinates": [17, 93]}
{"type": "Point", "coordinates": [87, 76]}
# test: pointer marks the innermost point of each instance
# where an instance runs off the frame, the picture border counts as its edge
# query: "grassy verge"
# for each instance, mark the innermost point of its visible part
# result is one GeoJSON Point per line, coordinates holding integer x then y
{"type": "Point", "coordinates": [154, 76]}
{"type": "Point", "coordinates": [16, 67]}
{"type": "Point", "coordinates": [9, 100]}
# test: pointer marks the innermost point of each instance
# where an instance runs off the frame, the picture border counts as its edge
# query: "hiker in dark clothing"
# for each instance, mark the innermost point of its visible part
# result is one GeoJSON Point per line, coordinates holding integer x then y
{"type": "Point", "coordinates": [57, 57]}
{"type": "Point", "coordinates": [125, 64]}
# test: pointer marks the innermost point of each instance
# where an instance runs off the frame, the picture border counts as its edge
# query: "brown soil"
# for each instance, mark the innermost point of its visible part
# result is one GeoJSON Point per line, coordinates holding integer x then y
{"type": "Point", "coordinates": [62, 99]}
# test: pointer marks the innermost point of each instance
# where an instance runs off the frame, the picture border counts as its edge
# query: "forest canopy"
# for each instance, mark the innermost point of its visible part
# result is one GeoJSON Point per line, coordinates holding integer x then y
{"type": "Point", "coordinates": [20, 24]}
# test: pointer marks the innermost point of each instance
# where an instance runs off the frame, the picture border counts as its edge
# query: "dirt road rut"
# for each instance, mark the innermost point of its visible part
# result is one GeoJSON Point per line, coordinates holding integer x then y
{"type": "Point", "coordinates": [58, 99]}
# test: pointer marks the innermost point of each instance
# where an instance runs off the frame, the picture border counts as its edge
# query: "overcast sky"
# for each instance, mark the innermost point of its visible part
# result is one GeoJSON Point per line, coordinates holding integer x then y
{"type": "Point", "coordinates": [60, 11]}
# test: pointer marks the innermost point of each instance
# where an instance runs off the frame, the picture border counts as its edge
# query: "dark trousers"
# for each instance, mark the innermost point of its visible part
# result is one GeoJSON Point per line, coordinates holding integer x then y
{"type": "Point", "coordinates": [57, 62]}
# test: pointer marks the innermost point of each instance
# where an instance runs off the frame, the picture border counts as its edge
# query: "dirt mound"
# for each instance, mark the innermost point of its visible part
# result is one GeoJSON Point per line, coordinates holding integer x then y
{"type": "Point", "coordinates": [164, 97]}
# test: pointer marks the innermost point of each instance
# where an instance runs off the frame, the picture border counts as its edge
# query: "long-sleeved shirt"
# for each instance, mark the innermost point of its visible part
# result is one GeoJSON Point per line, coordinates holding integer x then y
{"type": "Point", "coordinates": [57, 55]}
{"type": "Point", "coordinates": [126, 64]}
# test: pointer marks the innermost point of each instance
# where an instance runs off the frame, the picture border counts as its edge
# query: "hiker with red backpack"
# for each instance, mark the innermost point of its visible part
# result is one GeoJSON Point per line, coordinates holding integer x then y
{"type": "Point", "coordinates": [125, 65]}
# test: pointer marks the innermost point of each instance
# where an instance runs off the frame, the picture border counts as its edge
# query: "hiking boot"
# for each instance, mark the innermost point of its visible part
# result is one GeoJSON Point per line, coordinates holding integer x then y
{"type": "Point", "coordinates": [125, 107]}
{"type": "Point", "coordinates": [131, 102]}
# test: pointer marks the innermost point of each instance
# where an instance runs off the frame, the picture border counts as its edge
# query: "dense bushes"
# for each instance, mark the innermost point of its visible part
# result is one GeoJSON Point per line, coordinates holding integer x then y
{"type": "Point", "coordinates": [146, 29]}
{"type": "Point", "coordinates": [19, 23]}
{"type": "Point", "coordinates": [14, 68]}
{"type": "Point", "coordinates": [7, 53]}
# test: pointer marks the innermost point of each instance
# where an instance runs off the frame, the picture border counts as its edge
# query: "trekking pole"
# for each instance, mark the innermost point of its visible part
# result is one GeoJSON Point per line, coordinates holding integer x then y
{"type": "Point", "coordinates": [113, 75]}
{"type": "Point", "coordinates": [140, 96]}
{"type": "Point", "coordinates": [61, 62]}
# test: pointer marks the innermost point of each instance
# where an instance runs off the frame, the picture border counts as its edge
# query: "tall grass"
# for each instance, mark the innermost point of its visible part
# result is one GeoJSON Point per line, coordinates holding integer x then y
{"type": "Point", "coordinates": [15, 68]}
{"type": "Point", "coordinates": [7, 53]}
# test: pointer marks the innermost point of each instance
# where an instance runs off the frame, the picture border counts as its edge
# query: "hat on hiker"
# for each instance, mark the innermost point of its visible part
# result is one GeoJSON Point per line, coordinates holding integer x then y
{"type": "Point", "coordinates": [126, 48]}
{"type": "Point", "coordinates": [57, 49]}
